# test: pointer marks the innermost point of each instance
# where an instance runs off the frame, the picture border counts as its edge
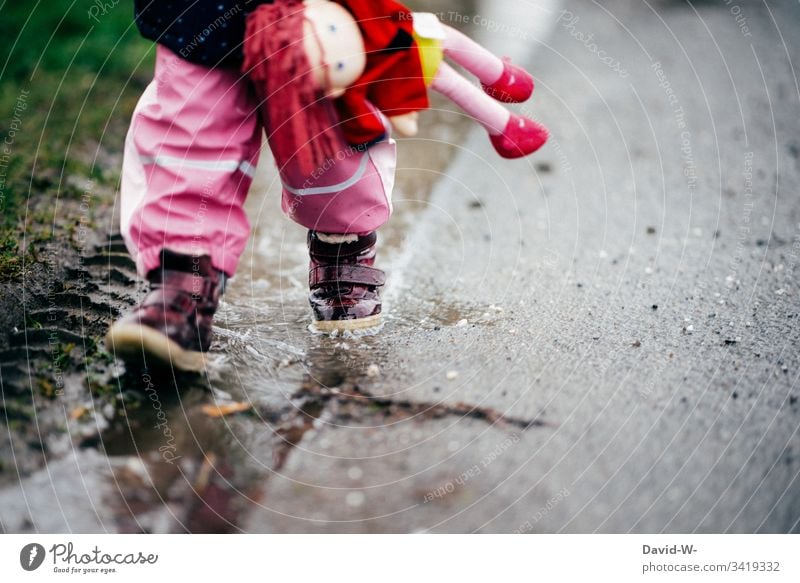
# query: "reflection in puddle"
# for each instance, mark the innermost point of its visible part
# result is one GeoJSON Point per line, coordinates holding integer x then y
{"type": "Point", "coordinates": [176, 468]}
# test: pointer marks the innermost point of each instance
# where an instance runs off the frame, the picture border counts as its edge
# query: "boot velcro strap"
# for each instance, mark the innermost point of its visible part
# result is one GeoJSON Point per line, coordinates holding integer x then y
{"type": "Point", "coordinates": [171, 299]}
{"type": "Point", "coordinates": [346, 273]}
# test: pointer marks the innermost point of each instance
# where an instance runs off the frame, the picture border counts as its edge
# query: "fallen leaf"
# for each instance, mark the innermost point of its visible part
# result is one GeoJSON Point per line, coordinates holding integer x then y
{"type": "Point", "coordinates": [224, 410]}
{"type": "Point", "coordinates": [78, 412]}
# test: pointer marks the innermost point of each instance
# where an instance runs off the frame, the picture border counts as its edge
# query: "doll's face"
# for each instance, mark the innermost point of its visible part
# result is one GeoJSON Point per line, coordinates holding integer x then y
{"type": "Point", "coordinates": [334, 46]}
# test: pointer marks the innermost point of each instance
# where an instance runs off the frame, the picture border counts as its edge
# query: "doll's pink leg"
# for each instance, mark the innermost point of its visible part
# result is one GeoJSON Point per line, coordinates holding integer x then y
{"type": "Point", "coordinates": [512, 136]}
{"type": "Point", "coordinates": [487, 112]}
{"type": "Point", "coordinates": [479, 61]}
{"type": "Point", "coordinates": [190, 155]}
{"type": "Point", "coordinates": [500, 79]}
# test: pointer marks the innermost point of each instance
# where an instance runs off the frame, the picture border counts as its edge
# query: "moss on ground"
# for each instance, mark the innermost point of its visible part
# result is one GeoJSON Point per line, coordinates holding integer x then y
{"type": "Point", "coordinates": [68, 85]}
{"type": "Point", "coordinates": [69, 79]}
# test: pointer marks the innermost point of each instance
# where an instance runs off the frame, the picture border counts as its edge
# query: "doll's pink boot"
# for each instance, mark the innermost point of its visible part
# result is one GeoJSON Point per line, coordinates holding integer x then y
{"type": "Point", "coordinates": [521, 136]}
{"type": "Point", "coordinates": [515, 85]}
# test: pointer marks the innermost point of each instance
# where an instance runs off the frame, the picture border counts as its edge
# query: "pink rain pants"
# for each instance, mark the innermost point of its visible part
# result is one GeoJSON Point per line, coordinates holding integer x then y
{"type": "Point", "coordinates": [190, 156]}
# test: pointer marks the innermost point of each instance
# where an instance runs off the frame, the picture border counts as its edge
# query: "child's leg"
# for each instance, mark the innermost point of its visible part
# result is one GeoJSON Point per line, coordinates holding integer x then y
{"type": "Point", "coordinates": [189, 159]}
{"type": "Point", "coordinates": [479, 61]}
{"type": "Point", "coordinates": [350, 194]}
{"type": "Point", "coordinates": [342, 203]}
{"type": "Point", "coordinates": [487, 112]}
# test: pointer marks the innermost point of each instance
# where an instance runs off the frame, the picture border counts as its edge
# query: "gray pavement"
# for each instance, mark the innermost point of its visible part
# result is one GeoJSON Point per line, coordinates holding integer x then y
{"type": "Point", "coordinates": [601, 337]}
{"type": "Point", "coordinates": [632, 286]}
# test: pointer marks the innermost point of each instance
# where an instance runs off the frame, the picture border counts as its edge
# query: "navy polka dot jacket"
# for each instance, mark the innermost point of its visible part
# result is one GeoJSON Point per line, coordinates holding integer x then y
{"type": "Point", "coordinates": [206, 32]}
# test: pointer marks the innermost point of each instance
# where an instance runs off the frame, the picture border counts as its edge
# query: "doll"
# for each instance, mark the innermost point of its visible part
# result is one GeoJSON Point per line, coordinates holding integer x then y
{"type": "Point", "coordinates": [385, 83]}
{"type": "Point", "coordinates": [375, 59]}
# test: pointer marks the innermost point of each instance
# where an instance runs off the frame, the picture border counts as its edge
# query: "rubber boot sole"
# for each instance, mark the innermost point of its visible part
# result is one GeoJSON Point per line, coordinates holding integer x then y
{"type": "Point", "coordinates": [328, 326]}
{"type": "Point", "coordinates": [143, 345]}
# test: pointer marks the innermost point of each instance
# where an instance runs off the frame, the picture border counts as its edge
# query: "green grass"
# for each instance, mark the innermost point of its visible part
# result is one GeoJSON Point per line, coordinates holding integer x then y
{"type": "Point", "coordinates": [68, 84]}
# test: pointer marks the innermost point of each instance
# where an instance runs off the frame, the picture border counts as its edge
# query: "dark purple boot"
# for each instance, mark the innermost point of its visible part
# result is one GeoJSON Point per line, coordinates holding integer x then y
{"type": "Point", "coordinates": [172, 325]}
{"type": "Point", "coordinates": [345, 288]}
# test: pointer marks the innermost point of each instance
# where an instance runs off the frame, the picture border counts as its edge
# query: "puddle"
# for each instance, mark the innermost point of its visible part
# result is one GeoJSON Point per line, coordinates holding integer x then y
{"type": "Point", "coordinates": [169, 467]}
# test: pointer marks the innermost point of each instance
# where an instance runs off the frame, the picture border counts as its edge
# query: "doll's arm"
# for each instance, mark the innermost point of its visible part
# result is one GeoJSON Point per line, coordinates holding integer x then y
{"type": "Point", "coordinates": [406, 125]}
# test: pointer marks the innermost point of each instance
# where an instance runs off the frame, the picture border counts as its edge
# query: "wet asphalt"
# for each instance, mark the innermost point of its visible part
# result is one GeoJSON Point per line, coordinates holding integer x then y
{"type": "Point", "coordinates": [601, 337]}
{"type": "Point", "coordinates": [632, 287]}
